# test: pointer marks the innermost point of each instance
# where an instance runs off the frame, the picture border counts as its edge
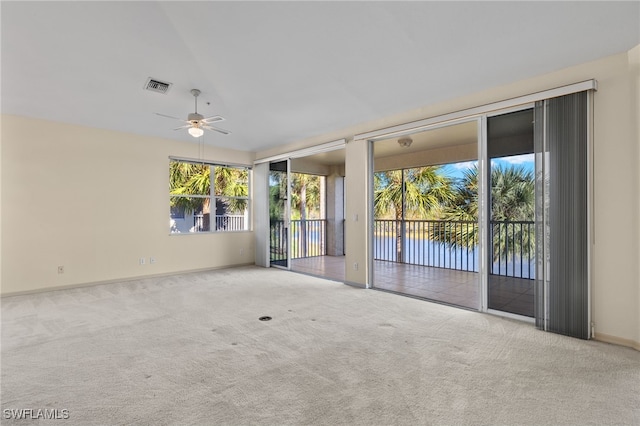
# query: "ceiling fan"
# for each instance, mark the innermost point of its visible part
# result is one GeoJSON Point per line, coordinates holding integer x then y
{"type": "Point", "coordinates": [197, 122]}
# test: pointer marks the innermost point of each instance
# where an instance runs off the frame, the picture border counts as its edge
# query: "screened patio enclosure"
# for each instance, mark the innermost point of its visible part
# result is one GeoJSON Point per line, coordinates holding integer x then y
{"type": "Point", "coordinates": [434, 257]}
{"type": "Point", "coordinates": [306, 210]}
{"type": "Point", "coordinates": [425, 227]}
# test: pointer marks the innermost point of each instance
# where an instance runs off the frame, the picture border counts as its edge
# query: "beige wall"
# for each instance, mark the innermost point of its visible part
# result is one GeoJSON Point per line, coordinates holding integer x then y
{"type": "Point", "coordinates": [303, 165]}
{"type": "Point", "coordinates": [616, 282]}
{"type": "Point", "coordinates": [634, 61]}
{"type": "Point", "coordinates": [616, 253]}
{"type": "Point", "coordinates": [96, 201]}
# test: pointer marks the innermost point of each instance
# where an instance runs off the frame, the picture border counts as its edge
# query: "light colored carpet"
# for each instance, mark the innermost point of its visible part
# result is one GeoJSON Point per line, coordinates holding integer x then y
{"type": "Point", "coordinates": [189, 349]}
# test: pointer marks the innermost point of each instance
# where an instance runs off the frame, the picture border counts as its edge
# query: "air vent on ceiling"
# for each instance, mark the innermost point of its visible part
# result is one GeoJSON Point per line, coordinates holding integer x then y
{"type": "Point", "coordinates": [157, 85]}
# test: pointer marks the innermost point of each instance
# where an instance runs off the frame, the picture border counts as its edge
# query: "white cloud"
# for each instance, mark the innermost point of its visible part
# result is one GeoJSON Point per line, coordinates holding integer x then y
{"type": "Point", "coordinates": [465, 165]}
{"type": "Point", "coordinates": [518, 159]}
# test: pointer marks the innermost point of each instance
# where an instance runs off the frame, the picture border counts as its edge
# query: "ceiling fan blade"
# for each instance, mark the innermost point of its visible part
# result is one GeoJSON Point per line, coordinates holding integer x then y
{"type": "Point", "coordinates": [168, 116]}
{"type": "Point", "coordinates": [212, 119]}
{"type": "Point", "coordinates": [215, 129]}
{"type": "Point", "coordinates": [186, 126]}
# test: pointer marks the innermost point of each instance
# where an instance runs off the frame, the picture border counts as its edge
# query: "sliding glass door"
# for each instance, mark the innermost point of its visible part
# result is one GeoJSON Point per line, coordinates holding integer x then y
{"type": "Point", "coordinates": [511, 193]}
{"type": "Point", "coordinates": [537, 192]}
{"type": "Point", "coordinates": [530, 196]}
{"type": "Point", "coordinates": [279, 217]}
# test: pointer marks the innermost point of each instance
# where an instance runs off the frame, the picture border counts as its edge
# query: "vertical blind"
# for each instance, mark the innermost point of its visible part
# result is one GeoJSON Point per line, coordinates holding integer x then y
{"type": "Point", "coordinates": [561, 143]}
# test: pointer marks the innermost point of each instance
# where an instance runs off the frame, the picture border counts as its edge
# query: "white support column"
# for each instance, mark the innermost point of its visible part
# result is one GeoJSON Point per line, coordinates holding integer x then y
{"type": "Point", "coordinates": [335, 214]}
{"type": "Point", "coordinates": [260, 190]}
{"type": "Point", "coordinates": [357, 213]}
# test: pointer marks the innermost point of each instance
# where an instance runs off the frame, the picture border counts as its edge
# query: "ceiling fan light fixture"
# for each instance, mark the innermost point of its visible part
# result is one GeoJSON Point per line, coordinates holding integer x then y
{"type": "Point", "coordinates": [405, 142]}
{"type": "Point", "coordinates": [196, 132]}
{"type": "Point", "coordinates": [196, 123]}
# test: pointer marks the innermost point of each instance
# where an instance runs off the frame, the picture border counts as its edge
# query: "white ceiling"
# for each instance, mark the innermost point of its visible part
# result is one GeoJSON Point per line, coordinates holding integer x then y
{"type": "Point", "coordinates": [280, 72]}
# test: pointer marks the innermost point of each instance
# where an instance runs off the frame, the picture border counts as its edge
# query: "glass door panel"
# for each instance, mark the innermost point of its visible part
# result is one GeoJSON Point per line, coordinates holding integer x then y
{"type": "Point", "coordinates": [279, 218]}
{"type": "Point", "coordinates": [511, 244]}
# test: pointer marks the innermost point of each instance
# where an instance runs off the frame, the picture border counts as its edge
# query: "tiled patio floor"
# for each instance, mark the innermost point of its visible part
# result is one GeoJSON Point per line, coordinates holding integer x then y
{"type": "Point", "coordinates": [329, 267]}
{"type": "Point", "coordinates": [453, 287]}
{"type": "Point", "coordinates": [443, 285]}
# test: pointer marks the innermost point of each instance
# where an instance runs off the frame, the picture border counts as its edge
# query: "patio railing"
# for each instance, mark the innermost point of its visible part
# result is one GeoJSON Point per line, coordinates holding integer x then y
{"type": "Point", "coordinates": [453, 245]}
{"type": "Point", "coordinates": [435, 243]}
{"type": "Point", "coordinates": [308, 238]}
{"type": "Point", "coordinates": [223, 223]}
{"type": "Point", "coordinates": [513, 245]}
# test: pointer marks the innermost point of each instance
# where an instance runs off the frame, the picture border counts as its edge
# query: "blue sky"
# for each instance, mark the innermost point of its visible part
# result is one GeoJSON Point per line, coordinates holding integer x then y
{"type": "Point", "coordinates": [456, 169]}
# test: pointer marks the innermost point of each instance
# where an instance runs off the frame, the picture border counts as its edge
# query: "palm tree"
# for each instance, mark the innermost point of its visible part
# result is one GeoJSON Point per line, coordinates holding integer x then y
{"type": "Point", "coordinates": [416, 193]}
{"type": "Point", "coordinates": [187, 180]}
{"type": "Point", "coordinates": [305, 200]}
{"type": "Point", "coordinates": [512, 200]}
{"type": "Point", "coordinates": [277, 199]}
{"type": "Point", "coordinates": [462, 210]}
{"type": "Point", "coordinates": [277, 194]}
{"type": "Point", "coordinates": [305, 197]}
{"type": "Point", "coordinates": [512, 193]}
{"type": "Point", "coordinates": [231, 188]}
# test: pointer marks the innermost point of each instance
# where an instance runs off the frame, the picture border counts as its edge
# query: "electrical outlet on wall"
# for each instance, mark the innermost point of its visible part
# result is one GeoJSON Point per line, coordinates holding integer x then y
{"type": "Point", "coordinates": [142, 261]}
{"type": "Point", "coordinates": [61, 269]}
{"type": "Point", "coordinates": [152, 260]}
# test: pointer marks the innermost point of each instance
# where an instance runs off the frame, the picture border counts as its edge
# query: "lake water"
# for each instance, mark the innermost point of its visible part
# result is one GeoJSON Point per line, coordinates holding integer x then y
{"type": "Point", "coordinates": [441, 255]}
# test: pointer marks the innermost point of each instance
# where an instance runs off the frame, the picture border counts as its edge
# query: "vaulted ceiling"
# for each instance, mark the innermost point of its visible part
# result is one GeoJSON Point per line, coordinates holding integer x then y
{"type": "Point", "coordinates": [280, 72]}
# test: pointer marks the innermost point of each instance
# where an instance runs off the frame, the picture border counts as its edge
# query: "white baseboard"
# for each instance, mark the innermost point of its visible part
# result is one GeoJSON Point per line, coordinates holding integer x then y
{"type": "Point", "coordinates": [118, 280]}
{"type": "Point", "coordinates": [607, 338]}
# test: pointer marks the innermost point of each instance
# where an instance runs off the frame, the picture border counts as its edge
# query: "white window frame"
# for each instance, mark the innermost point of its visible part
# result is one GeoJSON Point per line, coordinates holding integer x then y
{"type": "Point", "coordinates": [213, 197]}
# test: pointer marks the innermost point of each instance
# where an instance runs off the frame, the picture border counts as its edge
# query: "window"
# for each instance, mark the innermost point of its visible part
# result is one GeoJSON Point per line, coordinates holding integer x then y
{"type": "Point", "coordinates": [207, 197]}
